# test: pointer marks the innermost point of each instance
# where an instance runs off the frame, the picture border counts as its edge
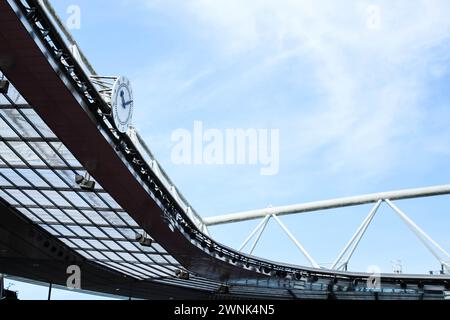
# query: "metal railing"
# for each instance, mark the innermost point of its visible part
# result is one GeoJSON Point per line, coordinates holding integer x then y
{"type": "Point", "coordinates": [140, 144]}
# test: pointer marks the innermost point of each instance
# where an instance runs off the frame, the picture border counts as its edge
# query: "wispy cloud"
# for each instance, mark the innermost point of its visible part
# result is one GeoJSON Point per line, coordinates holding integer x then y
{"type": "Point", "coordinates": [362, 102]}
{"type": "Point", "coordinates": [370, 84]}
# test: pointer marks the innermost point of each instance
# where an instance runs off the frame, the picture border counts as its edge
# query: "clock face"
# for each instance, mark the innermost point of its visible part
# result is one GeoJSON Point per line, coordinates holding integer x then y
{"type": "Point", "coordinates": [122, 104]}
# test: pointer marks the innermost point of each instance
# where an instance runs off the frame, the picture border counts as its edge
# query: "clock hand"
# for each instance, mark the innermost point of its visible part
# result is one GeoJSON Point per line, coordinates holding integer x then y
{"type": "Point", "coordinates": [129, 102]}
{"type": "Point", "coordinates": [122, 95]}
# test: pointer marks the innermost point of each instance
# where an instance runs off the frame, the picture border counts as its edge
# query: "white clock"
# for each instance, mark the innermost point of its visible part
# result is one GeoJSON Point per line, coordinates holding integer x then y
{"type": "Point", "coordinates": [122, 104]}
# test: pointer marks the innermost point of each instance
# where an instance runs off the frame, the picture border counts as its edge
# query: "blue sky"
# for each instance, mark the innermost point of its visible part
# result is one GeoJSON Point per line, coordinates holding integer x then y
{"type": "Point", "coordinates": [362, 106]}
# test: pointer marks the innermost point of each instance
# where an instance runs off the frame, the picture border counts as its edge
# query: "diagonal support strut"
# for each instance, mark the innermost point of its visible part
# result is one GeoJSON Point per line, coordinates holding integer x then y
{"type": "Point", "coordinates": [297, 243]}
{"type": "Point", "coordinates": [356, 239]}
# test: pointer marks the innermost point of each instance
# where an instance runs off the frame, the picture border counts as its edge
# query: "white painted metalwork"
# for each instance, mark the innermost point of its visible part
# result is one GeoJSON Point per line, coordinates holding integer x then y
{"type": "Point", "coordinates": [205, 230]}
{"type": "Point", "coordinates": [165, 180]}
{"type": "Point", "coordinates": [328, 204]}
{"type": "Point", "coordinates": [297, 243]}
{"type": "Point", "coordinates": [104, 86]}
{"type": "Point", "coordinates": [70, 41]}
{"type": "Point", "coordinates": [250, 236]}
{"type": "Point", "coordinates": [422, 235]}
{"type": "Point", "coordinates": [352, 245]}
{"type": "Point", "coordinates": [258, 236]}
{"type": "Point", "coordinates": [76, 53]}
{"type": "Point", "coordinates": [356, 237]}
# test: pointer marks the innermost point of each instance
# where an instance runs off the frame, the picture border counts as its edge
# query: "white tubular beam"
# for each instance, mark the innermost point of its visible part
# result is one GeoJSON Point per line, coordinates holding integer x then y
{"type": "Point", "coordinates": [357, 236]}
{"type": "Point", "coordinates": [328, 204]}
{"type": "Point", "coordinates": [302, 249]}
{"type": "Point", "coordinates": [258, 237]}
{"type": "Point", "coordinates": [422, 239]}
{"type": "Point", "coordinates": [446, 267]}
{"type": "Point", "coordinates": [253, 233]}
{"type": "Point", "coordinates": [358, 240]}
{"type": "Point", "coordinates": [419, 232]}
{"type": "Point", "coordinates": [206, 231]}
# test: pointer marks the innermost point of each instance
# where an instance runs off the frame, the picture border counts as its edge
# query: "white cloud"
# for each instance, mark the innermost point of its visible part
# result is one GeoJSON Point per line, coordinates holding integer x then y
{"type": "Point", "coordinates": [371, 123]}
{"type": "Point", "coordinates": [372, 79]}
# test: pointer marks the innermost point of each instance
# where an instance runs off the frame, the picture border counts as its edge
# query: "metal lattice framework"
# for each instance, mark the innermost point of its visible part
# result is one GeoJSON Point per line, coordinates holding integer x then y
{"type": "Point", "coordinates": [343, 259]}
{"type": "Point", "coordinates": [37, 177]}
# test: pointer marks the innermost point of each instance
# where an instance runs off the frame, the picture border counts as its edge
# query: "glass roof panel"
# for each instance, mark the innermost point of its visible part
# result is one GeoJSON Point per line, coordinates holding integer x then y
{"type": "Point", "coordinates": [128, 233]}
{"type": "Point", "coordinates": [81, 244]}
{"type": "Point", "coordinates": [19, 122]}
{"type": "Point", "coordinates": [96, 244]}
{"type": "Point", "coordinates": [65, 154]}
{"type": "Point", "coordinates": [29, 215]}
{"type": "Point", "coordinates": [93, 200]}
{"type": "Point", "coordinates": [153, 273]}
{"type": "Point", "coordinates": [6, 131]}
{"type": "Point", "coordinates": [112, 233]}
{"type": "Point", "coordinates": [67, 242]}
{"type": "Point", "coordinates": [127, 257]}
{"type": "Point", "coordinates": [8, 155]}
{"type": "Point", "coordinates": [149, 249]}
{"type": "Point", "coordinates": [56, 198]}
{"type": "Point", "coordinates": [74, 199]}
{"type": "Point", "coordinates": [43, 215]}
{"type": "Point", "coordinates": [144, 258]}
{"type": "Point", "coordinates": [38, 197]}
{"type": "Point", "coordinates": [47, 153]}
{"type": "Point", "coordinates": [4, 182]}
{"type": "Point", "coordinates": [52, 178]}
{"type": "Point", "coordinates": [111, 255]}
{"type": "Point", "coordinates": [63, 231]}
{"type": "Point", "coordinates": [77, 216]}
{"type": "Point", "coordinates": [97, 255]}
{"type": "Point", "coordinates": [157, 258]}
{"type": "Point", "coordinates": [21, 197]}
{"type": "Point", "coordinates": [79, 231]}
{"type": "Point", "coordinates": [25, 152]}
{"type": "Point", "coordinates": [49, 229]}
{"type": "Point", "coordinates": [32, 177]}
{"type": "Point", "coordinates": [112, 245]}
{"type": "Point", "coordinates": [59, 215]}
{"type": "Point", "coordinates": [111, 202]}
{"type": "Point", "coordinates": [158, 247]}
{"type": "Point", "coordinates": [129, 220]}
{"type": "Point", "coordinates": [128, 246]}
{"type": "Point", "coordinates": [43, 129]}
{"type": "Point", "coordinates": [86, 254]}
{"type": "Point", "coordinates": [8, 198]}
{"type": "Point", "coordinates": [91, 223]}
{"type": "Point", "coordinates": [96, 232]}
{"type": "Point", "coordinates": [95, 217]}
{"type": "Point", "coordinates": [171, 259]}
{"type": "Point", "coordinates": [13, 177]}
{"type": "Point", "coordinates": [113, 218]}
{"type": "Point", "coordinates": [125, 270]}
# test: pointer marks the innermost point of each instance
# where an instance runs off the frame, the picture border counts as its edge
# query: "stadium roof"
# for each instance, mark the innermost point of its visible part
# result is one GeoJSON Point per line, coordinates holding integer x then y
{"type": "Point", "coordinates": [55, 134]}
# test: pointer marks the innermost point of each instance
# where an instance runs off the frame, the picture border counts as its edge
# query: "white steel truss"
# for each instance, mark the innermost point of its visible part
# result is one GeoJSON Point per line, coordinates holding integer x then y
{"type": "Point", "coordinates": [341, 263]}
